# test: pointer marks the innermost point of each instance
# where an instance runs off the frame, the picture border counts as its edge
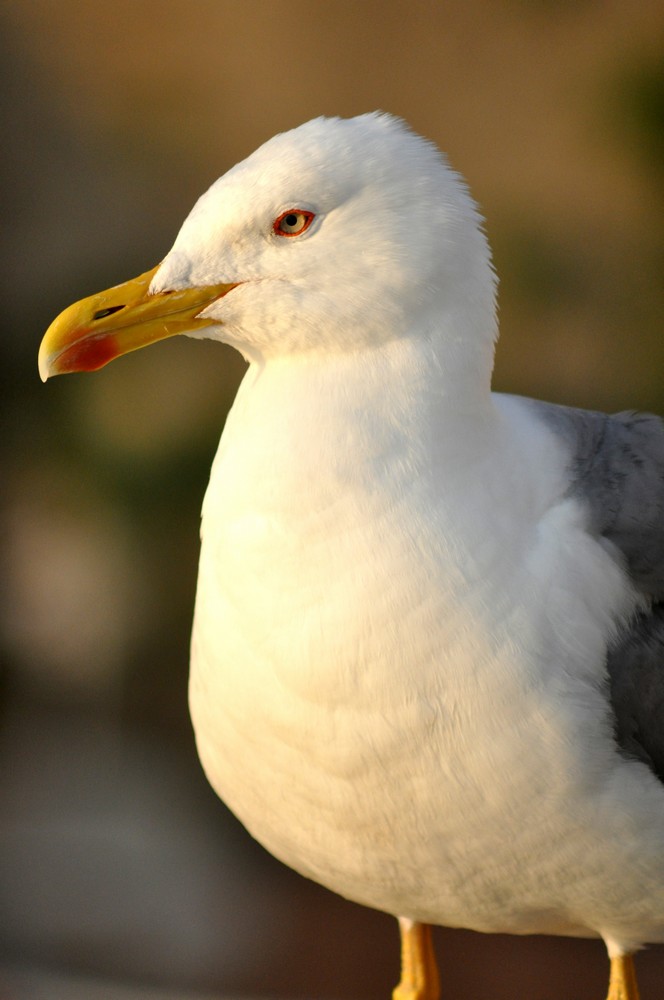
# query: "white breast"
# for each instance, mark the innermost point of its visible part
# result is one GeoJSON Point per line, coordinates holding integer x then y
{"type": "Point", "coordinates": [358, 694]}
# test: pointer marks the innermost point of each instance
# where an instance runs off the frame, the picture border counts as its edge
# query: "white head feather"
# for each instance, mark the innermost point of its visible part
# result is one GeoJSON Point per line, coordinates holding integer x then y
{"type": "Point", "coordinates": [396, 248]}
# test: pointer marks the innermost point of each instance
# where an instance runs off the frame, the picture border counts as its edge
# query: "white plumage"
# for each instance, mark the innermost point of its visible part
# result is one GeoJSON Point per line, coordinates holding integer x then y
{"type": "Point", "coordinates": [399, 663]}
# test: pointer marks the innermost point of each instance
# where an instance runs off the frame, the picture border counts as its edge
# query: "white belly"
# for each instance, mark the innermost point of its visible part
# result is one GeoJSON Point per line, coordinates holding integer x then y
{"type": "Point", "coordinates": [401, 717]}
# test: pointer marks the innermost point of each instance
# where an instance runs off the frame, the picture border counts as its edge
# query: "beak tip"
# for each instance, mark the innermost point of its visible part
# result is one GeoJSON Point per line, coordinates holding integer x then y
{"type": "Point", "coordinates": [44, 366]}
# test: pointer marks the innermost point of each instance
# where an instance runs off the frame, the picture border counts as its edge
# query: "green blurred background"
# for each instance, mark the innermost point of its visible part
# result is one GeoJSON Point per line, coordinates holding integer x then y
{"type": "Point", "coordinates": [117, 864]}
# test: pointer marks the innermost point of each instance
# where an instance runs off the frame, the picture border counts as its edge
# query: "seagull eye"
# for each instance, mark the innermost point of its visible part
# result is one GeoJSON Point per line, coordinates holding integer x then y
{"type": "Point", "coordinates": [294, 222]}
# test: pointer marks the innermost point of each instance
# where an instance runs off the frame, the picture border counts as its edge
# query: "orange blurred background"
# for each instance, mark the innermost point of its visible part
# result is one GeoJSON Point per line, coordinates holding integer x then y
{"type": "Point", "coordinates": [120, 871]}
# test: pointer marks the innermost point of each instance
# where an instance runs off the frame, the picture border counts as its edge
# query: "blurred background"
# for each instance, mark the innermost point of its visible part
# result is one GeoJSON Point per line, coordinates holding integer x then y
{"type": "Point", "coordinates": [121, 874]}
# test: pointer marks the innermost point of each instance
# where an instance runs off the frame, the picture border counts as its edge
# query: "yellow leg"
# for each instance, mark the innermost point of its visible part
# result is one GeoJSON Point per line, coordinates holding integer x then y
{"type": "Point", "coordinates": [622, 983]}
{"type": "Point", "coordinates": [419, 972]}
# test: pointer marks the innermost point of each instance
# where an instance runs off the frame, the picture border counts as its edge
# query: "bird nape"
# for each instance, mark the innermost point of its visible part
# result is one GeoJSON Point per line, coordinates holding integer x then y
{"type": "Point", "coordinates": [428, 631]}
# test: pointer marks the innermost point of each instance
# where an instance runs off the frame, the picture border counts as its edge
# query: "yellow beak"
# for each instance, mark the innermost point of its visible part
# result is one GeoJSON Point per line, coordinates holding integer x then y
{"type": "Point", "coordinates": [94, 331]}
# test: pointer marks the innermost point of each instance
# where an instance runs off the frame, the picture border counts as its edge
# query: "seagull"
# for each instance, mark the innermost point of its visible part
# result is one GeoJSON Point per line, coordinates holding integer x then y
{"type": "Point", "coordinates": [427, 665]}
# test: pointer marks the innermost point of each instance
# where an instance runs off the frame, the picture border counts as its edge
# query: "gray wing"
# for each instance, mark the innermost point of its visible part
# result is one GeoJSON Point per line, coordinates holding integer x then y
{"type": "Point", "coordinates": [617, 470]}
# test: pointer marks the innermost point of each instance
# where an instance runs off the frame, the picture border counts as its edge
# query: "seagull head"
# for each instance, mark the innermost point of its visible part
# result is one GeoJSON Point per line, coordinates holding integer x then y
{"type": "Point", "coordinates": [339, 235]}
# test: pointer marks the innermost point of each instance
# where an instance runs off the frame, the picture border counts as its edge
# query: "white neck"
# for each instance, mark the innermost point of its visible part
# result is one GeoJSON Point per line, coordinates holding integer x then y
{"type": "Point", "coordinates": [306, 427]}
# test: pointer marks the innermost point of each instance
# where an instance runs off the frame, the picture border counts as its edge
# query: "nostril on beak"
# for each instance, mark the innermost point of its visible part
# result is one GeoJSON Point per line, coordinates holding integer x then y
{"type": "Point", "coordinates": [102, 313]}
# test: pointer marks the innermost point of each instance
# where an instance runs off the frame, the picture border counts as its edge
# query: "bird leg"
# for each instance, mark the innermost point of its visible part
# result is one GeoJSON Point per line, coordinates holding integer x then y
{"type": "Point", "coordinates": [419, 972]}
{"type": "Point", "coordinates": [622, 982]}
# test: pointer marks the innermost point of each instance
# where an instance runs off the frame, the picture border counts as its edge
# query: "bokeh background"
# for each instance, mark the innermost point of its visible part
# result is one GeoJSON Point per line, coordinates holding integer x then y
{"type": "Point", "coordinates": [121, 874]}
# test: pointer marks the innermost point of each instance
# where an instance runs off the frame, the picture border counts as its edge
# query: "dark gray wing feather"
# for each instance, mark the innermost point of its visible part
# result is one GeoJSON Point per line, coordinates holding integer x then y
{"type": "Point", "coordinates": [636, 678]}
{"type": "Point", "coordinates": [617, 471]}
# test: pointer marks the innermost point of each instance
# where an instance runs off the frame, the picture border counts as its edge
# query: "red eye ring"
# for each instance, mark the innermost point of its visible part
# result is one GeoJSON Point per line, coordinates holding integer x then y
{"type": "Point", "coordinates": [293, 222]}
